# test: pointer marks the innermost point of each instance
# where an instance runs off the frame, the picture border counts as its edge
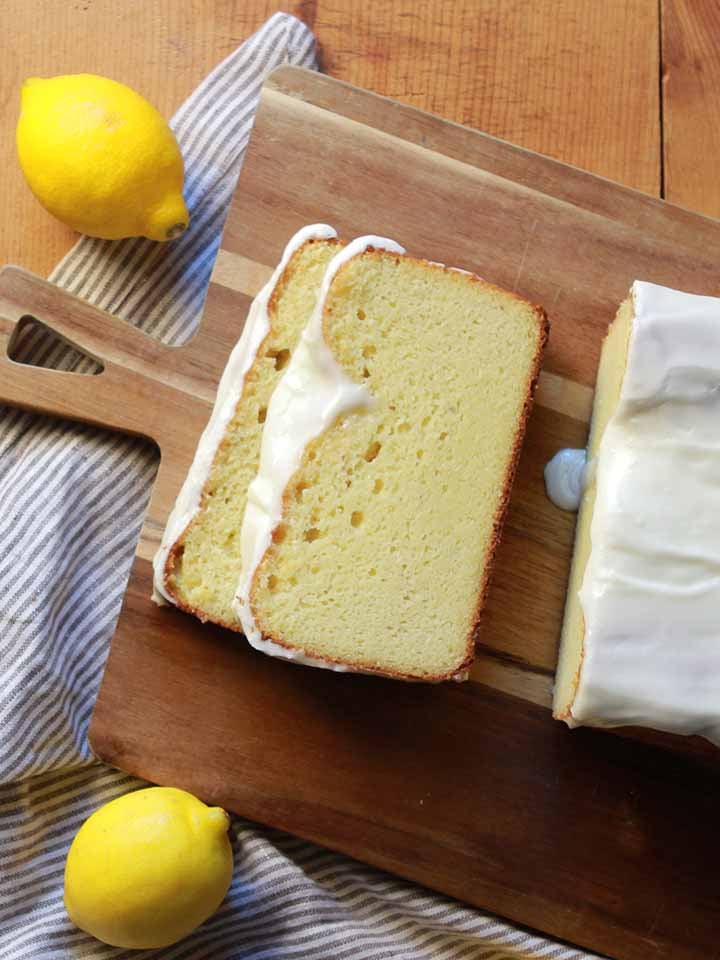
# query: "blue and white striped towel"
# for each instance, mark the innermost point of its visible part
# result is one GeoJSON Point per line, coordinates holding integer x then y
{"type": "Point", "coordinates": [73, 501]}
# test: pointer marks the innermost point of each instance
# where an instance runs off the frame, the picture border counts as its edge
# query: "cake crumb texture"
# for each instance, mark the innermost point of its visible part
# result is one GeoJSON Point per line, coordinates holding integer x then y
{"type": "Point", "coordinates": [383, 554]}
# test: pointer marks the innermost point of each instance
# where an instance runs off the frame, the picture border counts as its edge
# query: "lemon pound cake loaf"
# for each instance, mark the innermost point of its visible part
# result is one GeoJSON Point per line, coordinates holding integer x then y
{"type": "Point", "coordinates": [387, 458]}
{"type": "Point", "coordinates": [198, 563]}
{"type": "Point", "coordinates": [641, 637]}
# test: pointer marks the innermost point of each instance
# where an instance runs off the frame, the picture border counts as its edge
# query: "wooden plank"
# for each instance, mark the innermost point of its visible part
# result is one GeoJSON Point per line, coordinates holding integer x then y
{"type": "Point", "coordinates": [572, 78]}
{"type": "Point", "coordinates": [691, 103]}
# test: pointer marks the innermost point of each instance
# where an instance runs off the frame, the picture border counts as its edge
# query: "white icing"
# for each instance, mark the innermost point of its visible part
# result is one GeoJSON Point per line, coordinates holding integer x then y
{"type": "Point", "coordinates": [257, 327]}
{"type": "Point", "coordinates": [565, 478]}
{"type": "Point", "coordinates": [312, 394]}
{"type": "Point", "coordinates": [439, 263]}
{"type": "Point", "coordinates": [651, 590]}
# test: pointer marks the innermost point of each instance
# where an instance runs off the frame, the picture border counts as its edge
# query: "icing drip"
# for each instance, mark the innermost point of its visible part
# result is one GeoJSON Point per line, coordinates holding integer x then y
{"type": "Point", "coordinates": [565, 478]}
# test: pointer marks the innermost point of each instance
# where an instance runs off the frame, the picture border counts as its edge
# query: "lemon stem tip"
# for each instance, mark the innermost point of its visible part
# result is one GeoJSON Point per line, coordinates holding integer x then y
{"type": "Point", "coordinates": [176, 230]}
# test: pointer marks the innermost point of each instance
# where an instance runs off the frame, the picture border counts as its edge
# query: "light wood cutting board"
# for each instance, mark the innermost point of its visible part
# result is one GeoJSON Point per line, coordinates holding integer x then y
{"type": "Point", "coordinates": [606, 840]}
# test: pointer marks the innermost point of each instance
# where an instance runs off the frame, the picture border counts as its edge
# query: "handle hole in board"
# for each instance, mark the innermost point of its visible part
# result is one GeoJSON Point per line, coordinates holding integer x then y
{"type": "Point", "coordinates": [35, 344]}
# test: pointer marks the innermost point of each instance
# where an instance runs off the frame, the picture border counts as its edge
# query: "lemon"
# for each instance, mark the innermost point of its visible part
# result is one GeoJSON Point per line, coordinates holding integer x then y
{"type": "Point", "coordinates": [100, 158]}
{"type": "Point", "coordinates": [147, 868]}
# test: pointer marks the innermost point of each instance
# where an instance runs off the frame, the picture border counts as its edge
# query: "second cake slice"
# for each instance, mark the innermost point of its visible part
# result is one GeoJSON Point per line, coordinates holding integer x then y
{"type": "Point", "coordinates": [387, 459]}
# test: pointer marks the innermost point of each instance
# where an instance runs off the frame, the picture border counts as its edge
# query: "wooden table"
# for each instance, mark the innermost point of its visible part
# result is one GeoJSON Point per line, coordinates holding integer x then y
{"type": "Point", "coordinates": [625, 88]}
{"type": "Point", "coordinates": [629, 89]}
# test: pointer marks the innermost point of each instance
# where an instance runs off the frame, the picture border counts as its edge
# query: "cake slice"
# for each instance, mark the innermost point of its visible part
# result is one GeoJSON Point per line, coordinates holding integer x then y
{"type": "Point", "coordinates": [198, 564]}
{"type": "Point", "coordinates": [641, 636]}
{"type": "Point", "coordinates": [387, 459]}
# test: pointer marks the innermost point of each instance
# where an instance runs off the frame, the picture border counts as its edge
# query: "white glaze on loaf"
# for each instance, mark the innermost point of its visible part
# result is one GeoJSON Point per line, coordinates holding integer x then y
{"type": "Point", "coordinates": [650, 594]}
{"type": "Point", "coordinates": [312, 394]}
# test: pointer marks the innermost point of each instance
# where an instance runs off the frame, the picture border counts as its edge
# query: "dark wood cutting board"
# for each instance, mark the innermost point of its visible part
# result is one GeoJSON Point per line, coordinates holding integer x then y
{"type": "Point", "coordinates": [606, 840]}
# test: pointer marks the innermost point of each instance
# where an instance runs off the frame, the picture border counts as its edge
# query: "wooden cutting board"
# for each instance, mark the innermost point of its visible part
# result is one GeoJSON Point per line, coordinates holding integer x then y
{"type": "Point", "coordinates": [606, 840]}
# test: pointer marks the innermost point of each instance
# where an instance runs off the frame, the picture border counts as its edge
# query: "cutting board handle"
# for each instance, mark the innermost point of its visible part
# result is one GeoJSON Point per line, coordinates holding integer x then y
{"type": "Point", "coordinates": [131, 392]}
{"type": "Point", "coordinates": [143, 387]}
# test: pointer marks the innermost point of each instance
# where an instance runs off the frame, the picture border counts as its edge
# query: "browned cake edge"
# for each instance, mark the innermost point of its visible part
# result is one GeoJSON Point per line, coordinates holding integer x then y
{"type": "Point", "coordinates": [176, 549]}
{"type": "Point", "coordinates": [457, 671]}
{"type": "Point", "coordinates": [501, 513]}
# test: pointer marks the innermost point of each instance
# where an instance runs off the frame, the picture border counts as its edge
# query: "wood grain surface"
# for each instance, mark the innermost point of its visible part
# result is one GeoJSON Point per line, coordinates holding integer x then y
{"type": "Point", "coordinates": [591, 84]}
{"type": "Point", "coordinates": [691, 103]}
{"type": "Point", "coordinates": [471, 789]}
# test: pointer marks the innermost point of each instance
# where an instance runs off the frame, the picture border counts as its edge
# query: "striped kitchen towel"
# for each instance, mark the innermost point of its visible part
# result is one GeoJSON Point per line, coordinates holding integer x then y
{"type": "Point", "coordinates": [73, 501]}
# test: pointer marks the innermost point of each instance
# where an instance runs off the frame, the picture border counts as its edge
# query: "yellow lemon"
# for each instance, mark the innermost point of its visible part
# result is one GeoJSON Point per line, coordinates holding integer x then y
{"type": "Point", "coordinates": [147, 868]}
{"type": "Point", "coordinates": [100, 158]}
